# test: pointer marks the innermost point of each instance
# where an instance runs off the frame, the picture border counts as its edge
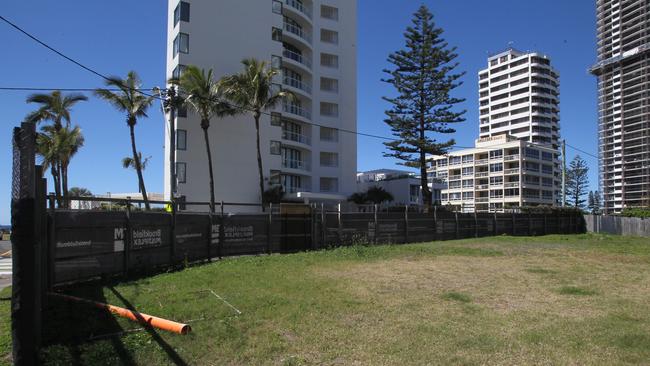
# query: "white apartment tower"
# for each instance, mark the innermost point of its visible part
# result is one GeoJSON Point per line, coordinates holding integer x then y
{"type": "Point", "coordinates": [518, 96]}
{"type": "Point", "coordinates": [313, 43]}
{"type": "Point", "coordinates": [623, 72]}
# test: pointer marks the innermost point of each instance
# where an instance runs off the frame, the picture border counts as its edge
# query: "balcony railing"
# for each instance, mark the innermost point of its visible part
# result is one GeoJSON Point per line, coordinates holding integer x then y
{"type": "Point", "coordinates": [296, 164]}
{"type": "Point", "coordinates": [299, 6]}
{"type": "Point", "coordinates": [297, 110]}
{"type": "Point", "coordinates": [512, 185]}
{"type": "Point", "coordinates": [481, 162]}
{"type": "Point", "coordinates": [482, 186]}
{"type": "Point", "coordinates": [482, 199]}
{"type": "Point", "coordinates": [298, 84]}
{"type": "Point", "coordinates": [292, 136]}
{"type": "Point", "coordinates": [292, 189]}
{"type": "Point", "coordinates": [511, 157]}
{"type": "Point", "coordinates": [481, 174]}
{"type": "Point", "coordinates": [296, 57]}
{"type": "Point", "coordinates": [298, 32]}
{"type": "Point", "coordinates": [511, 171]}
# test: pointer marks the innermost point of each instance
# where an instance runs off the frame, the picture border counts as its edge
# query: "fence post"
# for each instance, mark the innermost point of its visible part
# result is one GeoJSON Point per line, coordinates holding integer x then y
{"type": "Point", "coordinates": [530, 225]}
{"type": "Point", "coordinates": [208, 242]}
{"type": "Point", "coordinates": [457, 226]}
{"type": "Point", "coordinates": [406, 224]}
{"type": "Point", "coordinates": [494, 226]}
{"type": "Point", "coordinates": [340, 224]}
{"type": "Point", "coordinates": [376, 225]}
{"type": "Point", "coordinates": [475, 224]}
{"type": "Point", "coordinates": [172, 242]}
{"type": "Point", "coordinates": [545, 225]}
{"type": "Point", "coordinates": [128, 238]}
{"type": "Point", "coordinates": [435, 223]}
{"type": "Point", "coordinates": [269, 229]}
{"type": "Point", "coordinates": [24, 321]}
{"type": "Point", "coordinates": [323, 225]}
{"type": "Point", "coordinates": [514, 224]}
{"type": "Point", "coordinates": [51, 244]}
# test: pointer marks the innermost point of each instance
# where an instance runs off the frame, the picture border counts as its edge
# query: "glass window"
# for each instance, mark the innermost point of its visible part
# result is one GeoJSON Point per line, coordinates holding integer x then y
{"type": "Point", "coordinates": [276, 119]}
{"type": "Point", "coordinates": [329, 12]}
{"type": "Point", "coordinates": [276, 34]}
{"type": "Point", "coordinates": [182, 112]}
{"type": "Point", "coordinates": [276, 62]}
{"type": "Point", "coordinates": [329, 36]}
{"type": "Point", "coordinates": [181, 140]}
{"type": "Point", "coordinates": [277, 7]}
{"type": "Point", "coordinates": [178, 71]}
{"type": "Point", "coordinates": [182, 43]}
{"type": "Point", "coordinates": [181, 172]}
{"type": "Point", "coordinates": [182, 12]}
{"type": "Point", "coordinates": [275, 177]}
{"type": "Point", "coordinates": [329, 134]}
{"type": "Point", "coordinates": [496, 167]}
{"type": "Point", "coordinates": [276, 148]}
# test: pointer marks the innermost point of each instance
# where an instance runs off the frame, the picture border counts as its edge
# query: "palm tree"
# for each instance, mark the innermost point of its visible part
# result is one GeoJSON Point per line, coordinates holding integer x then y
{"type": "Point", "coordinates": [128, 162]}
{"type": "Point", "coordinates": [54, 107]}
{"type": "Point", "coordinates": [135, 104]}
{"type": "Point", "coordinates": [205, 95]}
{"type": "Point", "coordinates": [252, 91]}
{"type": "Point", "coordinates": [57, 147]}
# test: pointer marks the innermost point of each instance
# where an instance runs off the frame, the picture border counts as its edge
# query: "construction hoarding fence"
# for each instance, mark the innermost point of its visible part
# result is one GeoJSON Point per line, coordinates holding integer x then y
{"type": "Point", "coordinates": [91, 244]}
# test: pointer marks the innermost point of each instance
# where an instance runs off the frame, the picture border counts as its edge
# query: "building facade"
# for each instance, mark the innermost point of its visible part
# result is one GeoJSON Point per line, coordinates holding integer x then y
{"type": "Point", "coordinates": [403, 185]}
{"type": "Point", "coordinates": [623, 72]}
{"type": "Point", "coordinates": [519, 96]}
{"type": "Point", "coordinates": [313, 44]}
{"type": "Point", "coordinates": [500, 173]}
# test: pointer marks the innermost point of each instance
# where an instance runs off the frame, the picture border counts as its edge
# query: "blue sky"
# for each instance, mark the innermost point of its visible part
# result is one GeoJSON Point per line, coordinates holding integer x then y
{"type": "Point", "coordinates": [116, 36]}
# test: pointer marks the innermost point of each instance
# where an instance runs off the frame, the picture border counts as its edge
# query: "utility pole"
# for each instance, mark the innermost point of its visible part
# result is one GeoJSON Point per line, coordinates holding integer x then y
{"type": "Point", "coordinates": [563, 173]}
{"type": "Point", "coordinates": [171, 104]}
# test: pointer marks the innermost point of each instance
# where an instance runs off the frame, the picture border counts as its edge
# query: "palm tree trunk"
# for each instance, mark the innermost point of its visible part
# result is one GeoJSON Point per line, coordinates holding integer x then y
{"type": "Point", "coordinates": [259, 159]}
{"type": "Point", "coordinates": [64, 184]}
{"type": "Point", "coordinates": [205, 124]}
{"type": "Point", "coordinates": [138, 167]}
{"type": "Point", "coordinates": [57, 186]}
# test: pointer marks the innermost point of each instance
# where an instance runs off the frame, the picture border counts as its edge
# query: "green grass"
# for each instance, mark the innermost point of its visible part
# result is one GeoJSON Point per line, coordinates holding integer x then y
{"type": "Point", "coordinates": [546, 300]}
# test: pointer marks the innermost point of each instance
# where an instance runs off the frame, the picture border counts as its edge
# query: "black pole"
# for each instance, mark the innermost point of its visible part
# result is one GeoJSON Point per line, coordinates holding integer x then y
{"type": "Point", "coordinates": [24, 244]}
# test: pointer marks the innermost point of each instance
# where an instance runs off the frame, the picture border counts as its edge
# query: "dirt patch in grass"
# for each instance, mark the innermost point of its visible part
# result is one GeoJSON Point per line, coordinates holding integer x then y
{"type": "Point", "coordinates": [576, 290]}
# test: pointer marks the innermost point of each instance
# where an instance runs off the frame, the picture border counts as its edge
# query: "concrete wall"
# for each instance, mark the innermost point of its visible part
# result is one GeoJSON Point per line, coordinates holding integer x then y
{"type": "Point", "coordinates": [618, 225]}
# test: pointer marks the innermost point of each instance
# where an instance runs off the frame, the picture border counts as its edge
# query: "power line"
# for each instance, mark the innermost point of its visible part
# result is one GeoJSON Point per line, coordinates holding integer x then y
{"type": "Point", "coordinates": [34, 38]}
{"type": "Point", "coordinates": [582, 151]}
{"type": "Point", "coordinates": [66, 89]}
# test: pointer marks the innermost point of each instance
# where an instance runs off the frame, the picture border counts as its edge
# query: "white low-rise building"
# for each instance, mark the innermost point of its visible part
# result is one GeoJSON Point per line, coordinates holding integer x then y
{"type": "Point", "coordinates": [501, 172]}
{"type": "Point", "coordinates": [403, 185]}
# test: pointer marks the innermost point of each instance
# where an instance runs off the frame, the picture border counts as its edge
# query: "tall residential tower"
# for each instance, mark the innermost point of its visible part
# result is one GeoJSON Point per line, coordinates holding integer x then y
{"type": "Point", "coordinates": [623, 71]}
{"type": "Point", "coordinates": [313, 44]}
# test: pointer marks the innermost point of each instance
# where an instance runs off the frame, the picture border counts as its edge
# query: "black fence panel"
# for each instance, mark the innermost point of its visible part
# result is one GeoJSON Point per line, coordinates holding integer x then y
{"type": "Point", "coordinates": [193, 238]}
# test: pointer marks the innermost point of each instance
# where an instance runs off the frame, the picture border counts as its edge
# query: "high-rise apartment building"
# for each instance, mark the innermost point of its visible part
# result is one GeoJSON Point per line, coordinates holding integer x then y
{"type": "Point", "coordinates": [518, 96]}
{"type": "Point", "coordinates": [313, 44]}
{"type": "Point", "coordinates": [623, 71]}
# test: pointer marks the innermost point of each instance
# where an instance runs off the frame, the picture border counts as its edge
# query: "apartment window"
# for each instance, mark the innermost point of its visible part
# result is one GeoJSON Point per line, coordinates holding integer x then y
{"type": "Point", "coordinates": [275, 177]}
{"type": "Point", "coordinates": [329, 12]}
{"type": "Point", "coordinates": [329, 134]}
{"type": "Point", "coordinates": [468, 171]}
{"type": "Point", "coordinates": [532, 153]}
{"type": "Point", "coordinates": [496, 154]}
{"type": "Point", "coordinates": [494, 168]}
{"type": "Point", "coordinates": [329, 109]}
{"type": "Point", "coordinates": [547, 169]}
{"type": "Point", "coordinates": [468, 158]}
{"type": "Point", "coordinates": [454, 184]}
{"type": "Point", "coordinates": [178, 71]}
{"type": "Point", "coordinates": [182, 12]}
{"type": "Point", "coordinates": [496, 193]}
{"type": "Point", "coordinates": [329, 36]}
{"type": "Point", "coordinates": [181, 172]}
{"type": "Point", "coordinates": [181, 43]}
{"type": "Point", "coordinates": [276, 34]}
{"type": "Point", "coordinates": [330, 85]}
{"type": "Point", "coordinates": [328, 159]}
{"type": "Point", "coordinates": [468, 183]}
{"type": "Point", "coordinates": [277, 7]}
{"type": "Point", "coordinates": [181, 140]}
{"type": "Point", "coordinates": [496, 181]}
{"type": "Point", "coordinates": [276, 119]}
{"type": "Point", "coordinates": [276, 62]}
{"type": "Point", "coordinates": [329, 184]}
{"type": "Point", "coordinates": [468, 195]}
{"type": "Point", "coordinates": [547, 156]}
{"type": "Point", "coordinates": [276, 148]}
{"type": "Point", "coordinates": [181, 112]}
{"type": "Point", "coordinates": [329, 60]}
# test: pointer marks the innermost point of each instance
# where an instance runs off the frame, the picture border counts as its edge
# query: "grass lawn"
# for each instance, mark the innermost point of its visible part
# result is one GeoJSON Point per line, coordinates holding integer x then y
{"type": "Point", "coordinates": [581, 299]}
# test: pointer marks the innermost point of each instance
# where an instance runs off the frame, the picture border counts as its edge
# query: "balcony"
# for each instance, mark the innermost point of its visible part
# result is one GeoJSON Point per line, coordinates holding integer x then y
{"type": "Point", "coordinates": [482, 174]}
{"type": "Point", "coordinates": [296, 110]}
{"type": "Point", "coordinates": [299, 32]}
{"type": "Point", "coordinates": [482, 186]}
{"type": "Point", "coordinates": [482, 199]}
{"type": "Point", "coordinates": [481, 162]}
{"type": "Point", "coordinates": [298, 84]}
{"type": "Point", "coordinates": [511, 171]}
{"type": "Point", "coordinates": [512, 185]}
{"type": "Point", "coordinates": [296, 164]}
{"type": "Point", "coordinates": [511, 157]}
{"type": "Point", "coordinates": [292, 136]}
{"type": "Point", "coordinates": [301, 8]}
{"type": "Point", "coordinates": [297, 58]}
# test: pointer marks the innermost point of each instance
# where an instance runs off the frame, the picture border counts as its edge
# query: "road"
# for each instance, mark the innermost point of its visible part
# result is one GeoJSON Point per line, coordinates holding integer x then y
{"type": "Point", "coordinates": [5, 265]}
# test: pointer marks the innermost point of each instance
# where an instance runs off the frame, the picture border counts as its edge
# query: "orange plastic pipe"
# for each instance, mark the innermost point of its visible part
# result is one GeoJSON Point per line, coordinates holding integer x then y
{"type": "Point", "coordinates": [154, 321]}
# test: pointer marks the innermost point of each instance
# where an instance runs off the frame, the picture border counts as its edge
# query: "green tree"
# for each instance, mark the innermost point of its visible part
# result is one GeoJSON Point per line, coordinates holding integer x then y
{"type": "Point", "coordinates": [80, 192]}
{"type": "Point", "coordinates": [359, 198]}
{"type": "Point", "coordinates": [378, 195]}
{"type": "Point", "coordinates": [56, 149]}
{"type": "Point", "coordinates": [56, 108]}
{"type": "Point", "coordinates": [577, 182]}
{"type": "Point", "coordinates": [130, 100]}
{"type": "Point", "coordinates": [251, 91]}
{"type": "Point", "coordinates": [205, 95]}
{"type": "Point", "coordinates": [129, 163]}
{"type": "Point", "coordinates": [590, 202]}
{"type": "Point", "coordinates": [423, 76]}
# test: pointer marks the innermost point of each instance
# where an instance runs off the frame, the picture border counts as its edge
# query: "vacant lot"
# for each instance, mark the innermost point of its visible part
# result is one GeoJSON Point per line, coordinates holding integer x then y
{"type": "Point", "coordinates": [548, 300]}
